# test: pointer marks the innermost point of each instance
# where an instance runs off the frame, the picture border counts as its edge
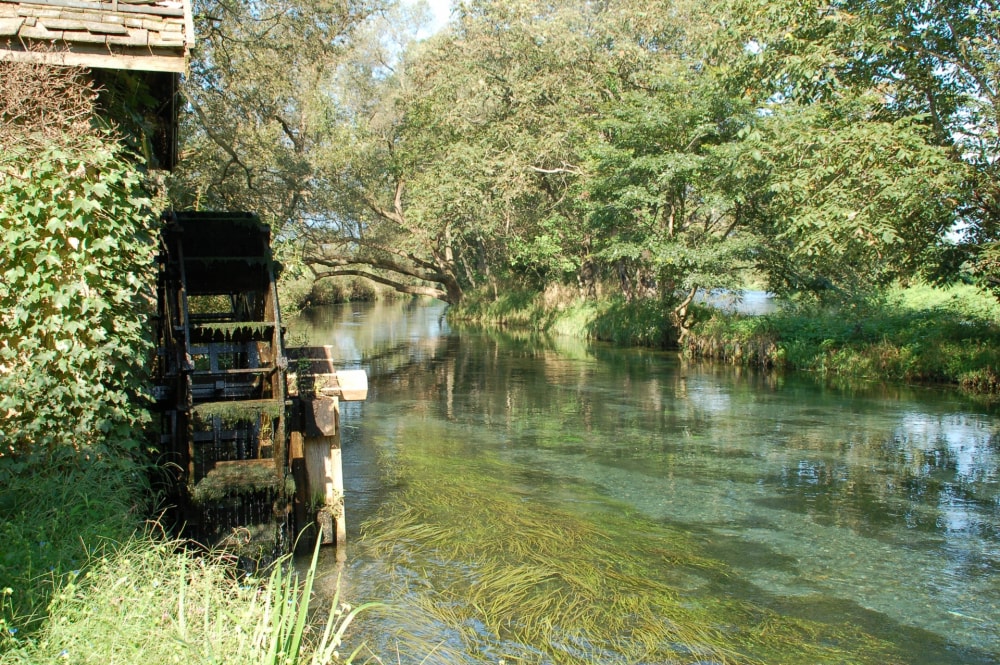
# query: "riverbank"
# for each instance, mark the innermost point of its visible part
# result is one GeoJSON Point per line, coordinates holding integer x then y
{"type": "Point", "coordinates": [917, 334]}
{"type": "Point", "coordinates": [85, 579]}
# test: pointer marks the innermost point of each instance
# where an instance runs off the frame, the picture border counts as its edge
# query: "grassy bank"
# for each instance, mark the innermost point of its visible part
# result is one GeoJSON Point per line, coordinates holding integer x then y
{"type": "Point", "coordinates": [915, 334]}
{"type": "Point", "coordinates": [300, 292]}
{"type": "Point", "coordinates": [84, 580]}
{"type": "Point", "coordinates": [561, 312]}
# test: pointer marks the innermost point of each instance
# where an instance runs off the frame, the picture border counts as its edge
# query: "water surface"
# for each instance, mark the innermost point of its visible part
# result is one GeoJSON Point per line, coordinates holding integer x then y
{"type": "Point", "coordinates": [529, 500]}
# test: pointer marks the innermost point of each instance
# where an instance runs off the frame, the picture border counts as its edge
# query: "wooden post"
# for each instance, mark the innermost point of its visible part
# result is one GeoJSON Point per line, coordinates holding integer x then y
{"type": "Point", "coordinates": [324, 469]}
{"type": "Point", "coordinates": [319, 390]}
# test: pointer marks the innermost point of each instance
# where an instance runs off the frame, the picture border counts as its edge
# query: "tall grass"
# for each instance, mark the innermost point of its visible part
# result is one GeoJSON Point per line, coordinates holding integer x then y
{"type": "Point", "coordinates": [81, 581]}
{"type": "Point", "coordinates": [148, 601]}
{"type": "Point", "coordinates": [52, 519]}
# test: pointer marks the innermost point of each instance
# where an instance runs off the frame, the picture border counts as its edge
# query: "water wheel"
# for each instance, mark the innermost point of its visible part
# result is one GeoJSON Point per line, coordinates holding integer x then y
{"type": "Point", "coordinates": [220, 384]}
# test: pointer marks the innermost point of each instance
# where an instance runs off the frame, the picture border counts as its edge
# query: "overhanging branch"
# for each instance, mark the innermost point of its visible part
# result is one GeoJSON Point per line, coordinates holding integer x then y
{"type": "Point", "coordinates": [402, 287]}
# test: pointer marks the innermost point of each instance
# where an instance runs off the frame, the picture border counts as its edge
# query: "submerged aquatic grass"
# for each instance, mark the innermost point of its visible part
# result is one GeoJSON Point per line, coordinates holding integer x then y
{"type": "Point", "coordinates": [519, 581]}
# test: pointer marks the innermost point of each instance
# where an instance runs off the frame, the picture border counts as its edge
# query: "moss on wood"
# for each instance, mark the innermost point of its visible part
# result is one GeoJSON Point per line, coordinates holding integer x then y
{"type": "Point", "coordinates": [227, 331]}
{"type": "Point", "coordinates": [233, 412]}
{"type": "Point", "coordinates": [234, 479]}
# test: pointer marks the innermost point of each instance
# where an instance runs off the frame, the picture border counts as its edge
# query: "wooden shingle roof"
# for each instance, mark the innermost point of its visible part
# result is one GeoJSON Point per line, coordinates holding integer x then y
{"type": "Point", "coordinates": [145, 35]}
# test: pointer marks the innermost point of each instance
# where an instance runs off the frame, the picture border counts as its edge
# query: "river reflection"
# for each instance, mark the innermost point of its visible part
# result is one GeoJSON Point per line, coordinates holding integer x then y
{"type": "Point", "coordinates": [802, 522]}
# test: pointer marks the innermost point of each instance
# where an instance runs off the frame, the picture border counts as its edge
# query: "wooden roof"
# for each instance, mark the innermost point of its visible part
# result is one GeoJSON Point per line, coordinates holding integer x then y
{"type": "Point", "coordinates": [145, 35]}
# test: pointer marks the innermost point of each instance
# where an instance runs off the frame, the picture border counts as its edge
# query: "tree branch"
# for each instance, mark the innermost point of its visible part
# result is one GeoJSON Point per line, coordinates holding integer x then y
{"type": "Point", "coordinates": [402, 287]}
{"type": "Point", "coordinates": [206, 124]}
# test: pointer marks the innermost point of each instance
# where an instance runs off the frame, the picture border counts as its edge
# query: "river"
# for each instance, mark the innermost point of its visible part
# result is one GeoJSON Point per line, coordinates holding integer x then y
{"type": "Point", "coordinates": [517, 499]}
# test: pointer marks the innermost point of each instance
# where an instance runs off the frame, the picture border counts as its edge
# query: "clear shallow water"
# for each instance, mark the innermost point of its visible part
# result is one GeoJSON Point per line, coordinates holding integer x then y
{"type": "Point", "coordinates": [864, 522]}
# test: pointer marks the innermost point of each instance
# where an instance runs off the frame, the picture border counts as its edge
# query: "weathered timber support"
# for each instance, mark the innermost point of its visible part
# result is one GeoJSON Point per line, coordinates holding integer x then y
{"type": "Point", "coordinates": [316, 460]}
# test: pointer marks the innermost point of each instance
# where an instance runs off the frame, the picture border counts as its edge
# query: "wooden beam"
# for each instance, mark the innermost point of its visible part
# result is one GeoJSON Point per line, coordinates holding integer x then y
{"type": "Point", "coordinates": [349, 385]}
{"type": "Point", "coordinates": [313, 367]}
{"type": "Point", "coordinates": [101, 58]}
{"type": "Point", "coordinates": [122, 6]}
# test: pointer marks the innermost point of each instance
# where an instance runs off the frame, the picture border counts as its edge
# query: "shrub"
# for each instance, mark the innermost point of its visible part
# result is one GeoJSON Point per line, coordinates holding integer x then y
{"type": "Point", "coordinates": [941, 340]}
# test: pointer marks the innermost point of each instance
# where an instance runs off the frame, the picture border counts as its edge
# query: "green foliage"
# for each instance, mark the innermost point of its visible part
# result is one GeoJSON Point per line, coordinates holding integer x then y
{"type": "Point", "coordinates": [227, 480]}
{"type": "Point", "coordinates": [54, 518]}
{"type": "Point", "coordinates": [640, 322]}
{"type": "Point", "coordinates": [922, 337]}
{"type": "Point", "coordinates": [662, 204]}
{"type": "Point", "coordinates": [668, 147]}
{"type": "Point", "coordinates": [332, 291]}
{"type": "Point", "coordinates": [524, 309]}
{"type": "Point", "coordinates": [149, 600]}
{"type": "Point", "coordinates": [928, 73]}
{"type": "Point", "coordinates": [643, 322]}
{"type": "Point", "coordinates": [75, 273]}
{"type": "Point", "coordinates": [853, 200]}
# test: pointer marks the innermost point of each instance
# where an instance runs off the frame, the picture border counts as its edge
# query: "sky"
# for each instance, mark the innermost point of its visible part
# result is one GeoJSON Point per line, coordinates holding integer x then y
{"type": "Point", "coordinates": [440, 9]}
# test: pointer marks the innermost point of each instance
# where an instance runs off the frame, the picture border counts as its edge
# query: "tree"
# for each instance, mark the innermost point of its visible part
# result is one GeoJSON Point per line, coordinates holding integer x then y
{"type": "Point", "coordinates": [855, 200]}
{"type": "Point", "coordinates": [507, 149]}
{"type": "Point", "coordinates": [668, 214]}
{"type": "Point", "coordinates": [918, 83]}
{"type": "Point", "coordinates": [260, 104]}
{"type": "Point", "coordinates": [461, 171]}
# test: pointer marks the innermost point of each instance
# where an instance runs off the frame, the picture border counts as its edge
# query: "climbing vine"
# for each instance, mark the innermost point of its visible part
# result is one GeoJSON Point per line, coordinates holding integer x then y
{"type": "Point", "coordinates": [75, 274]}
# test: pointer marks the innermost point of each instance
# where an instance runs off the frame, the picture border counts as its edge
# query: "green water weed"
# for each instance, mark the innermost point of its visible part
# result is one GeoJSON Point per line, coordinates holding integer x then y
{"type": "Point", "coordinates": [517, 574]}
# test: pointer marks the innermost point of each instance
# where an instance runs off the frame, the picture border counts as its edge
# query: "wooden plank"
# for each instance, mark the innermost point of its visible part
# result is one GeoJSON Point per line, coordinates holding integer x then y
{"type": "Point", "coordinates": [40, 32]}
{"type": "Point", "coordinates": [188, 24]}
{"type": "Point", "coordinates": [10, 26]}
{"type": "Point", "coordinates": [82, 56]}
{"type": "Point", "coordinates": [84, 37]}
{"type": "Point", "coordinates": [133, 8]}
{"type": "Point", "coordinates": [133, 38]}
{"type": "Point", "coordinates": [268, 463]}
{"type": "Point", "coordinates": [90, 26]}
{"type": "Point", "coordinates": [77, 15]}
{"type": "Point", "coordinates": [34, 12]}
{"type": "Point", "coordinates": [352, 385]}
{"type": "Point", "coordinates": [321, 417]}
{"type": "Point", "coordinates": [158, 41]}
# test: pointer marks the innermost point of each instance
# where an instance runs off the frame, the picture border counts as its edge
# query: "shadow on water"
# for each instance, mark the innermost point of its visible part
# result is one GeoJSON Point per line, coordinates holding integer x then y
{"type": "Point", "coordinates": [528, 500]}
